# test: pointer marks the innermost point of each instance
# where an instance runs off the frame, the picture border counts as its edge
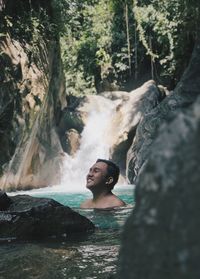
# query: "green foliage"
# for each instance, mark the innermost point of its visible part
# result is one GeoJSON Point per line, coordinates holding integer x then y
{"type": "Point", "coordinates": [106, 44]}
{"type": "Point", "coordinates": [29, 22]}
{"type": "Point", "coordinates": [94, 44]}
{"type": "Point", "coordinates": [172, 28]}
{"type": "Point", "coordinates": [103, 43]}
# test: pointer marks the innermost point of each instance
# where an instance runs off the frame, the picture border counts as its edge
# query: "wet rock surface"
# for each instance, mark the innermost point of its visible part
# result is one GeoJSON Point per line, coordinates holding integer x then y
{"type": "Point", "coordinates": [37, 218]}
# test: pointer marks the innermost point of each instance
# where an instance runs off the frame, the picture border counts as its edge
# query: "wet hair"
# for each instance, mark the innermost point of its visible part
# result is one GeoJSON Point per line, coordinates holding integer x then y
{"type": "Point", "coordinates": [113, 170]}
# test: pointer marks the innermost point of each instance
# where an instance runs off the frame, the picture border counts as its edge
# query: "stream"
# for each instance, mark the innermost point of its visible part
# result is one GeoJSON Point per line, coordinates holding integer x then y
{"type": "Point", "coordinates": [94, 256]}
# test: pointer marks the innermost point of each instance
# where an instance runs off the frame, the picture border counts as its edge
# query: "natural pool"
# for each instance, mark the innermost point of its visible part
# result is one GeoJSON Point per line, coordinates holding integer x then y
{"type": "Point", "coordinates": [92, 257]}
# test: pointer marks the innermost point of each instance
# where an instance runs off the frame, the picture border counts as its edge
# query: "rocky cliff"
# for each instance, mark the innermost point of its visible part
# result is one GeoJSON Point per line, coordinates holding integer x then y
{"type": "Point", "coordinates": [161, 238]}
{"type": "Point", "coordinates": [31, 95]}
{"type": "Point", "coordinates": [183, 96]}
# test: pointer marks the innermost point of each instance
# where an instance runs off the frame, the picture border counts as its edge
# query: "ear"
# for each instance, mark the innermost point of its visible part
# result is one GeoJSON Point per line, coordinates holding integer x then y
{"type": "Point", "coordinates": [109, 180]}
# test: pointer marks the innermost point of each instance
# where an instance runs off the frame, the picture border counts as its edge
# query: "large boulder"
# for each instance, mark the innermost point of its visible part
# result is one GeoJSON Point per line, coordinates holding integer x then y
{"type": "Point", "coordinates": [35, 218]}
{"type": "Point", "coordinates": [161, 237]}
{"type": "Point", "coordinates": [131, 108]}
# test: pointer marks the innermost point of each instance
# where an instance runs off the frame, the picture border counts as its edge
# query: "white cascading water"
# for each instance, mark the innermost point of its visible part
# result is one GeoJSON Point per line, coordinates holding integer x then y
{"type": "Point", "coordinates": [95, 143]}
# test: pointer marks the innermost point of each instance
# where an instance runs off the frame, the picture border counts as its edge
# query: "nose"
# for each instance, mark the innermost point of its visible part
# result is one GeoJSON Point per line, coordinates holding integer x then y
{"type": "Point", "coordinates": [90, 173]}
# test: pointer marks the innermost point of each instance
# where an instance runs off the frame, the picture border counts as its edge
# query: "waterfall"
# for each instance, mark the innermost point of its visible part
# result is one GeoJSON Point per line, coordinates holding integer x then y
{"type": "Point", "coordinates": [95, 143]}
{"type": "Point", "coordinates": [101, 128]}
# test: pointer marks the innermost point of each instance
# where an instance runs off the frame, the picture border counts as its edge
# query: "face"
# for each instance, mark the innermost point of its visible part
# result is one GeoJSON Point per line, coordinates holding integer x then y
{"type": "Point", "coordinates": [97, 175]}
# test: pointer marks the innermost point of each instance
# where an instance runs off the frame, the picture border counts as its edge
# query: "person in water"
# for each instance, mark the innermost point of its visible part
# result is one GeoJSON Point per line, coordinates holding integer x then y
{"type": "Point", "coordinates": [101, 179]}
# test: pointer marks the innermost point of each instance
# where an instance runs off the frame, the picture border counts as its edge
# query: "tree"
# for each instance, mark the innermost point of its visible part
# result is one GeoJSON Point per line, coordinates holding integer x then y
{"type": "Point", "coordinates": [111, 44]}
{"type": "Point", "coordinates": [172, 29]}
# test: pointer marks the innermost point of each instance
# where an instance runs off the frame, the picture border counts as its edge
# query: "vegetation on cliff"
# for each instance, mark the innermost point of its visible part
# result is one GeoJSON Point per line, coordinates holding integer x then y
{"type": "Point", "coordinates": [112, 44]}
{"type": "Point", "coordinates": [119, 44]}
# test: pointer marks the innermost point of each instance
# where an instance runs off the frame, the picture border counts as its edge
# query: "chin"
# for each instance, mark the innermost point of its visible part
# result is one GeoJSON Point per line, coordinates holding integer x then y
{"type": "Point", "coordinates": [88, 186]}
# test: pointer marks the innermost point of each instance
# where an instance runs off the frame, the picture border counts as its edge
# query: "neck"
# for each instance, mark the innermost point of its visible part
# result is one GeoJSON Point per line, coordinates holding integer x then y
{"type": "Point", "coordinates": [98, 195]}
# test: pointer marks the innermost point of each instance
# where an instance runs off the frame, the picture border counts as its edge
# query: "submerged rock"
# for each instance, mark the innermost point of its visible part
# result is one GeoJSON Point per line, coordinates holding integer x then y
{"type": "Point", "coordinates": [35, 218]}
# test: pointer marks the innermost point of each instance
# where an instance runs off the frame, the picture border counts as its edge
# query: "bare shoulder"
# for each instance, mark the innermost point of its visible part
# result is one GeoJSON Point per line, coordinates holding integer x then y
{"type": "Point", "coordinates": [114, 201]}
{"type": "Point", "coordinates": [119, 202]}
{"type": "Point", "coordinates": [110, 201]}
{"type": "Point", "coordinates": [86, 204]}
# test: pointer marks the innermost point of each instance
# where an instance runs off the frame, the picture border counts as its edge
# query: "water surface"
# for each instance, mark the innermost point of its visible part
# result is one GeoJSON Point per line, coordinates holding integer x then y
{"type": "Point", "coordinates": [92, 257]}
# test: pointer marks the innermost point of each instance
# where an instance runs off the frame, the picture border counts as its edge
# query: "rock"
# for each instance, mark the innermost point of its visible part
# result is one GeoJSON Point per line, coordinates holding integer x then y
{"type": "Point", "coordinates": [70, 120]}
{"type": "Point", "coordinates": [161, 237]}
{"type": "Point", "coordinates": [32, 96]}
{"type": "Point", "coordinates": [5, 201]}
{"type": "Point", "coordinates": [36, 218]}
{"type": "Point", "coordinates": [183, 96]}
{"type": "Point", "coordinates": [130, 111]}
{"type": "Point", "coordinates": [71, 142]}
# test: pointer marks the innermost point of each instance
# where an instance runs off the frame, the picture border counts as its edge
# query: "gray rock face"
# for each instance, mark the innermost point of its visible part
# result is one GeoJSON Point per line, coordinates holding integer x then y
{"type": "Point", "coordinates": [72, 141]}
{"type": "Point", "coordinates": [161, 238]}
{"type": "Point", "coordinates": [36, 218]}
{"type": "Point", "coordinates": [183, 96]}
{"type": "Point", "coordinates": [32, 95]}
{"type": "Point", "coordinates": [132, 108]}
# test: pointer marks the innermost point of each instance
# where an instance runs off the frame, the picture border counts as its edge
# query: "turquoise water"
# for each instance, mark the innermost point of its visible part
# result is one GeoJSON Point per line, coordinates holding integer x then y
{"type": "Point", "coordinates": [75, 199]}
{"type": "Point", "coordinates": [103, 219]}
{"type": "Point", "coordinates": [91, 258]}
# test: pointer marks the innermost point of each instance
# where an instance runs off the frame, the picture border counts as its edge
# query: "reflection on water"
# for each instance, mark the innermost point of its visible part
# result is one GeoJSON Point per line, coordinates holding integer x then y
{"type": "Point", "coordinates": [93, 257]}
{"type": "Point", "coordinates": [50, 261]}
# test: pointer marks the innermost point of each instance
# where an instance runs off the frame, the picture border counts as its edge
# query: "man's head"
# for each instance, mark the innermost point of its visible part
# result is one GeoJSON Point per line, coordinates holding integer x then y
{"type": "Point", "coordinates": [103, 173]}
{"type": "Point", "coordinates": [112, 170]}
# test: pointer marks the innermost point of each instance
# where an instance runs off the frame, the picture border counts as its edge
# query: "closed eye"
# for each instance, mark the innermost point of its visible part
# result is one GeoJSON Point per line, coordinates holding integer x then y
{"type": "Point", "coordinates": [96, 170]}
